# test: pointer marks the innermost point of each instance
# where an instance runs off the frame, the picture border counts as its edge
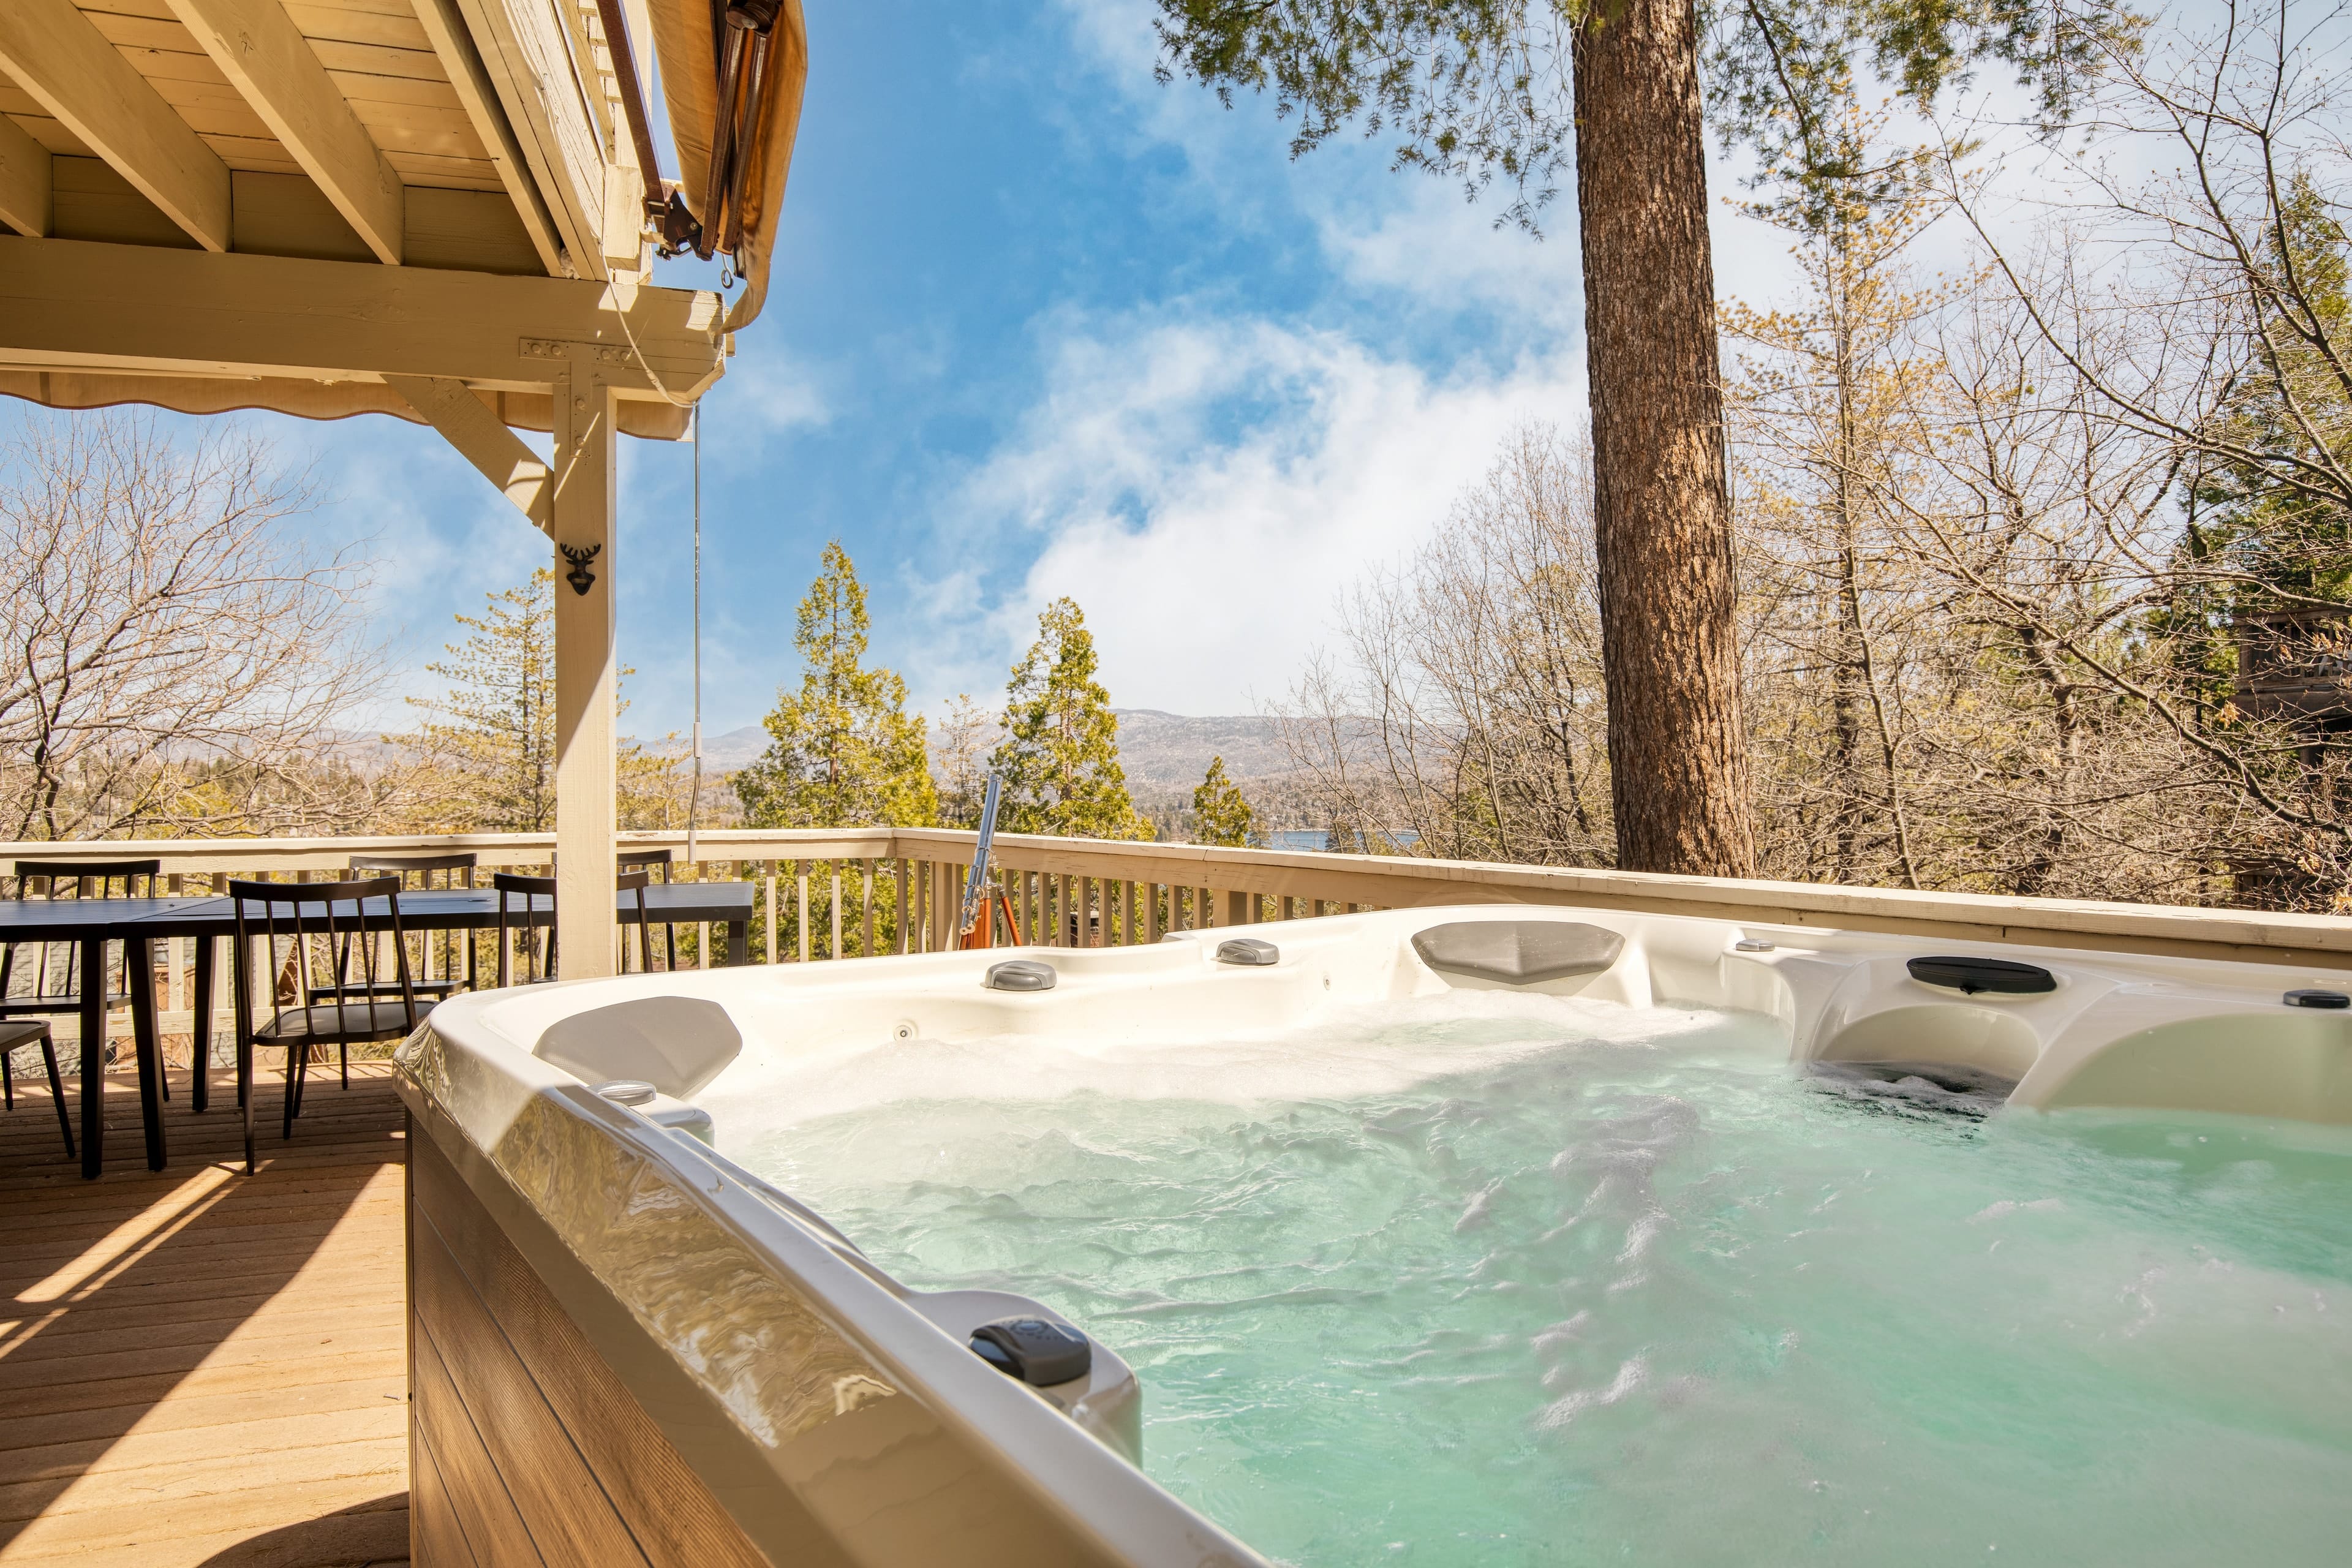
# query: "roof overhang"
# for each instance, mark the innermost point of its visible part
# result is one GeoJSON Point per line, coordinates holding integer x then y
{"type": "Point", "coordinates": [242, 204]}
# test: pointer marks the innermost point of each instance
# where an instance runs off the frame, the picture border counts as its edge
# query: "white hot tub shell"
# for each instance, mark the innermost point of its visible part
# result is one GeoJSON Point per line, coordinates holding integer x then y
{"type": "Point", "coordinates": [832, 1415]}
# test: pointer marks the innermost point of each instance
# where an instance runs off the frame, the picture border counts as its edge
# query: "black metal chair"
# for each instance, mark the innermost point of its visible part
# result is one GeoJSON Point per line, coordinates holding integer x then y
{"type": "Point", "coordinates": [295, 914]}
{"type": "Point", "coordinates": [510, 885]}
{"type": "Point", "coordinates": [514, 885]}
{"type": "Point", "coordinates": [646, 860]}
{"type": "Point", "coordinates": [42, 1002]}
{"type": "Point", "coordinates": [635, 882]}
{"type": "Point", "coordinates": [14, 1038]}
{"type": "Point", "coordinates": [422, 867]}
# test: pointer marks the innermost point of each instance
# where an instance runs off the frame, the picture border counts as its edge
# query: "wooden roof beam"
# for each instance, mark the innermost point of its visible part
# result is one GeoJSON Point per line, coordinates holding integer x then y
{"type": "Point", "coordinates": [462, 63]}
{"type": "Point", "coordinates": [503, 457]}
{"type": "Point", "coordinates": [59, 57]}
{"type": "Point", "coordinates": [272, 64]}
{"type": "Point", "coordinates": [23, 181]}
{"type": "Point", "coordinates": [68, 304]}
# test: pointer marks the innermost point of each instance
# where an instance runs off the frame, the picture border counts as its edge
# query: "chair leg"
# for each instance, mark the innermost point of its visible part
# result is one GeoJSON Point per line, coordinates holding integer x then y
{"type": "Point", "coordinates": [296, 1056]}
{"type": "Point", "coordinates": [58, 1092]}
{"type": "Point", "coordinates": [8, 1076]}
{"type": "Point", "coordinates": [244, 1093]}
{"type": "Point", "coordinates": [346, 1050]}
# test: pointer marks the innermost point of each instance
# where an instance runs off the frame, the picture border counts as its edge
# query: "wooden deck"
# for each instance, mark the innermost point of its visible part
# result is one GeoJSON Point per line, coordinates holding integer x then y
{"type": "Point", "coordinates": [200, 1368]}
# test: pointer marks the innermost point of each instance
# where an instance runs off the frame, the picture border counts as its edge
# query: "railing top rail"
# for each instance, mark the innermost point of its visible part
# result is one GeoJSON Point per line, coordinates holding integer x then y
{"type": "Point", "coordinates": [1382, 880]}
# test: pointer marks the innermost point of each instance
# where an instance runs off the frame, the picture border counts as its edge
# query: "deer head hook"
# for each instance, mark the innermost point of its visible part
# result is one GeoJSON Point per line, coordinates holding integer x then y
{"type": "Point", "coordinates": [579, 578]}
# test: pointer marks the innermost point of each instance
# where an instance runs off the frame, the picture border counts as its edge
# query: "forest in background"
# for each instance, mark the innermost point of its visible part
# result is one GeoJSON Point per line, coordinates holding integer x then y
{"type": "Point", "coordinates": [2044, 579]}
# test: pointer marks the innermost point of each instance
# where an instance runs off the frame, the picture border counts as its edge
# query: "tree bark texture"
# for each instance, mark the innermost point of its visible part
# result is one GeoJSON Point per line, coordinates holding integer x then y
{"type": "Point", "coordinates": [1677, 752]}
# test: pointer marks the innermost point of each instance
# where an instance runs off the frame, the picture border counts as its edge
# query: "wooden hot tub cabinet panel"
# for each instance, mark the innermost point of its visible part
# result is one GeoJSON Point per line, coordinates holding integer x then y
{"type": "Point", "coordinates": [525, 1446]}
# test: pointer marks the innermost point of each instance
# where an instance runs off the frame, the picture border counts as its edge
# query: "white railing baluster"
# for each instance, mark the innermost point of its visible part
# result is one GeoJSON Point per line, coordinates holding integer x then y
{"type": "Point", "coordinates": [801, 906]}
{"type": "Point", "coordinates": [768, 892]}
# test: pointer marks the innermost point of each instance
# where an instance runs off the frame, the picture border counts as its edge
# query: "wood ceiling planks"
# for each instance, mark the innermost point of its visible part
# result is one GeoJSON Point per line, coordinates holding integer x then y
{"type": "Point", "coordinates": [375, 52]}
{"type": "Point", "coordinates": [382, 59]}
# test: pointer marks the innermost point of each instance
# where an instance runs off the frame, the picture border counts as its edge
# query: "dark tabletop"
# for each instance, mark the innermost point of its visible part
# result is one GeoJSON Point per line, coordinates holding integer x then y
{"type": "Point", "coordinates": [453, 908]}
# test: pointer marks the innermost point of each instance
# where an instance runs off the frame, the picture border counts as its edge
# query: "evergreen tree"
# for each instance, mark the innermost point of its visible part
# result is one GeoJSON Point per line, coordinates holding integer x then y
{"type": "Point", "coordinates": [1060, 752]}
{"type": "Point", "coordinates": [843, 751]}
{"type": "Point", "coordinates": [1524, 89]}
{"type": "Point", "coordinates": [492, 751]}
{"type": "Point", "coordinates": [1221, 813]}
{"type": "Point", "coordinates": [2279, 514]}
{"type": "Point", "coordinates": [489, 763]}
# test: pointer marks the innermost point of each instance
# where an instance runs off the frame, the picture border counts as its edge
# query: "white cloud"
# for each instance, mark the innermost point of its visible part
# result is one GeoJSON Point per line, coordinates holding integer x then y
{"type": "Point", "coordinates": [773, 389]}
{"type": "Point", "coordinates": [1205, 489]}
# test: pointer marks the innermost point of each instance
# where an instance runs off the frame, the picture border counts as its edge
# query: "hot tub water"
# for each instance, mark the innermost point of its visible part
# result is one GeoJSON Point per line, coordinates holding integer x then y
{"type": "Point", "coordinates": [1497, 1280]}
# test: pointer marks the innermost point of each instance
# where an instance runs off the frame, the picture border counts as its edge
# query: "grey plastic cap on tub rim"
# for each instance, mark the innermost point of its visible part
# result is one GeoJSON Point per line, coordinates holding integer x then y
{"type": "Point", "coordinates": [1252, 950]}
{"type": "Point", "coordinates": [626, 1091]}
{"type": "Point", "coordinates": [1021, 975]}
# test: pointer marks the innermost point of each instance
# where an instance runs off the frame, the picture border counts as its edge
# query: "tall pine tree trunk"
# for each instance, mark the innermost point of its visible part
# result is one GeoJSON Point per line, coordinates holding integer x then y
{"type": "Point", "coordinates": [1677, 754]}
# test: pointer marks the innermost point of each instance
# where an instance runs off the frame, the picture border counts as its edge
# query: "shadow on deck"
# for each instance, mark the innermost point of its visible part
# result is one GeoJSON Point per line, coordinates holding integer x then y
{"type": "Point", "coordinates": [199, 1368]}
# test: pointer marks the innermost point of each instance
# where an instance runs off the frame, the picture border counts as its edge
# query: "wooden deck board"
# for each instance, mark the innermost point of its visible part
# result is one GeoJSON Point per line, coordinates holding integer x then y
{"type": "Point", "coordinates": [200, 1369]}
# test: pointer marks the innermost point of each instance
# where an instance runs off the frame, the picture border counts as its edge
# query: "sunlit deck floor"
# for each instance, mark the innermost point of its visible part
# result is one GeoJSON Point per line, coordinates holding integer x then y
{"type": "Point", "coordinates": [198, 1367]}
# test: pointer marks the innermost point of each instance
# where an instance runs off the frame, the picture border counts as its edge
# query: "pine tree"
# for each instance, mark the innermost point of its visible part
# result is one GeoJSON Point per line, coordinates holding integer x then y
{"type": "Point", "coordinates": [961, 743]}
{"type": "Point", "coordinates": [2282, 518]}
{"type": "Point", "coordinates": [1060, 752]}
{"type": "Point", "coordinates": [489, 763]}
{"type": "Point", "coordinates": [1343, 836]}
{"type": "Point", "coordinates": [1222, 814]}
{"type": "Point", "coordinates": [843, 751]}
{"type": "Point", "coordinates": [492, 752]}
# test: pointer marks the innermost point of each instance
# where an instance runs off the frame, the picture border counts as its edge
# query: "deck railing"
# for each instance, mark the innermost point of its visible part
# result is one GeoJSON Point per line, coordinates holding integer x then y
{"type": "Point", "coordinates": [822, 894]}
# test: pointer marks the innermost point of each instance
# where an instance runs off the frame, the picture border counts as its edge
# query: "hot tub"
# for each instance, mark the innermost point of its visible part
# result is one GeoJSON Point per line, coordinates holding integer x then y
{"type": "Point", "coordinates": [1489, 1235]}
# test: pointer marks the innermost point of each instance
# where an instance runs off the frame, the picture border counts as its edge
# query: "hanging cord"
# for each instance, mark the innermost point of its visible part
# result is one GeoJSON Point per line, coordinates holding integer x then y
{"type": "Point", "coordinates": [695, 800]}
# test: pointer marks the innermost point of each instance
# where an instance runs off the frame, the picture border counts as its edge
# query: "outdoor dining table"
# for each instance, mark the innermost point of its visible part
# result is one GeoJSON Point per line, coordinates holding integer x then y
{"type": "Point", "coordinates": [94, 922]}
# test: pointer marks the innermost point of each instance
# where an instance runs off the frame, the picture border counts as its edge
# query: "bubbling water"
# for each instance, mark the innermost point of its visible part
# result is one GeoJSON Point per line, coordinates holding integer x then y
{"type": "Point", "coordinates": [1495, 1280]}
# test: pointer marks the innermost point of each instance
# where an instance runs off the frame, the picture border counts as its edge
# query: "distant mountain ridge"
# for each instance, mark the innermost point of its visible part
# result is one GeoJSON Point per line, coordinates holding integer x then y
{"type": "Point", "coordinates": [1172, 750]}
{"type": "Point", "coordinates": [1161, 752]}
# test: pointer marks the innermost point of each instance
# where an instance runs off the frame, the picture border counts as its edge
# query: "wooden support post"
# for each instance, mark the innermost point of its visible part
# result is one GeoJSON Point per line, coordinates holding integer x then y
{"type": "Point", "coordinates": [906, 931]}
{"type": "Point", "coordinates": [1241, 908]}
{"type": "Point", "coordinates": [835, 951]}
{"type": "Point", "coordinates": [586, 667]}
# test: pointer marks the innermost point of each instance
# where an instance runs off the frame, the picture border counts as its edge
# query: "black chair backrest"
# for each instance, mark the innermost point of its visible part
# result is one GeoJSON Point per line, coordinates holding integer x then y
{"type": "Point", "coordinates": [82, 873]}
{"type": "Point", "coordinates": [638, 859]}
{"type": "Point", "coordinates": [635, 882]}
{"type": "Point", "coordinates": [423, 865]}
{"type": "Point", "coordinates": [56, 876]}
{"type": "Point", "coordinates": [509, 884]}
{"type": "Point", "coordinates": [298, 912]}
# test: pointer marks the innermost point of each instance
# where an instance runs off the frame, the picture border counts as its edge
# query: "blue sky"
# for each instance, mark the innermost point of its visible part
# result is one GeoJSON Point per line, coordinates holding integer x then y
{"type": "Point", "coordinates": [1039, 326]}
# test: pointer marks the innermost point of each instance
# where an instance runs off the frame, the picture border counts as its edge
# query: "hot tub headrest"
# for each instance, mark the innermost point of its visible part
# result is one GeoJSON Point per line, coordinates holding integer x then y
{"type": "Point", "coordinates": [677, 1044]}
{"type": "Point", "coordinates": [1518, 953]}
